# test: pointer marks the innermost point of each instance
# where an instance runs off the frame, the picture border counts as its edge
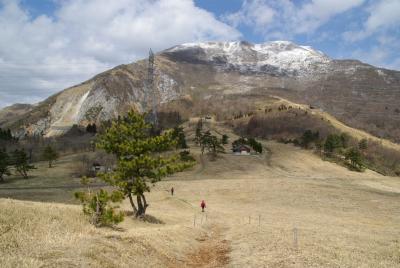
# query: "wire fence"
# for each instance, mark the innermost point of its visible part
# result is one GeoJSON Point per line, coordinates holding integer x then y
{"type": "Point", "coordinates": [257, 222]}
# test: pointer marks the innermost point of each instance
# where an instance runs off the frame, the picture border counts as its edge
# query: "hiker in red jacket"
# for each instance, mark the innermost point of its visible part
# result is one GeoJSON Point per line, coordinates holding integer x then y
{"type": "Point", "coordinates": [203, 205]}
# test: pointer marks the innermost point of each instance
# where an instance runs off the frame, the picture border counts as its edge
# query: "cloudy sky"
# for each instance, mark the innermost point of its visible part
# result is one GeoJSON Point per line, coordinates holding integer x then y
{"type": "Point", "coordinates": [48, 45]}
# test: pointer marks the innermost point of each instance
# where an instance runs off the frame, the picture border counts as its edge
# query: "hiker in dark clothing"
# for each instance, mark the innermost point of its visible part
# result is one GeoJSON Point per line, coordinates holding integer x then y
{"type": "Point", "coordinates": [203, 205]}
{"type": "Point", "coordinates": [172, 191]}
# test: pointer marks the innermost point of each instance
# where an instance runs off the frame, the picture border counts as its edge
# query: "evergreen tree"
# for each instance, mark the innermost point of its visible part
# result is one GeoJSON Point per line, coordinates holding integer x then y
{"type": "Point", "coordinates": [345, 139]}
{"type": "Point", "coordinates": [94, 128]}
{"type": "Point", "coordinates": [4, 164]}
{"type": "Point", "coordinates": [332, 143]}
{"type": "Point", "coordinates": [141, 158]}
{"type": "Point", "coordinates": [255, 145]}
{"type": "Point", "coordinates": [21, 163]}
{"type": "Point", "coordinates": [6, 135]}
{"type": "Point", "coordinates": [100, 205]}
{"type": "Point", "coordinates": [199, 129]}
{"type": "Point", "coordinates": [211, 143]}
{"type": "Point", "coordinates": [49, 154]}
{"type": "Point", "coordinates": [355, 158]}
{"type": "Point", "coordinates": [214, 146]}
{"type": "Point", "coordinates": [205, 141]}
{"type": "Point", "coordinates": [224, 139]}
{"type": "Point", "coordinates": [179, 135]}
{"type": "Point", "coordinates": [363, 144]}
{"type": "Point", "coordinates": [308, 138]}
{"type": "Point", "coordinates": [91, 128]}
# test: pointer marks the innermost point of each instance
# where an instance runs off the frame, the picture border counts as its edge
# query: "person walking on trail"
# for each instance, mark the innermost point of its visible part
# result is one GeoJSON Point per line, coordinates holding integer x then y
{"type": "Point", "coordinates": [203, 205]}
{"type": "Point", "coordinates": [172, 191]}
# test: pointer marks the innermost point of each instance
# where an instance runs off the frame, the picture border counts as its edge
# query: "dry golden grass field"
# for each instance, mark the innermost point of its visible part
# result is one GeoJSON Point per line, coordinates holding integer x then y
{"type": "Point", "coordinates": [284, 208]}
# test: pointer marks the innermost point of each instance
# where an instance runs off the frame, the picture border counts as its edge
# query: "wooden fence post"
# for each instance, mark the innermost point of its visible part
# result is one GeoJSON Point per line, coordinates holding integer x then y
{"type": "Point", "coordinates": [295, 242]}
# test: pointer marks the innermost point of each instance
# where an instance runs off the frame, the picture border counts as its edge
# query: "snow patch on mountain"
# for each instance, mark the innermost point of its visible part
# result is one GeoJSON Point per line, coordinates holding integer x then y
{"type": "Point", "coordinates": [277, 57]}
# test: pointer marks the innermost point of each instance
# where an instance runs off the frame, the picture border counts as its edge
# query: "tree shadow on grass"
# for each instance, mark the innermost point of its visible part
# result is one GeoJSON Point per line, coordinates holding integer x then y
{"type": "Point", "coordinates": [145, 218]}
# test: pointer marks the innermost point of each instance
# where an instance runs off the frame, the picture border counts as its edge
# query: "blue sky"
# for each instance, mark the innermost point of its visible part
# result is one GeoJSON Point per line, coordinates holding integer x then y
{"type": "Point", "coordinates": [48, 45]}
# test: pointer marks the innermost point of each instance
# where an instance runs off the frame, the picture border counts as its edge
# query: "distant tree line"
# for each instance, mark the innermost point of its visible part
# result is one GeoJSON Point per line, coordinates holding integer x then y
{"type": "Point", "coordinates": [91, 128]}
{"type": "Point", "coordinates": [18, 160]}
{"type": "Point", "coordinates": [6, 135]}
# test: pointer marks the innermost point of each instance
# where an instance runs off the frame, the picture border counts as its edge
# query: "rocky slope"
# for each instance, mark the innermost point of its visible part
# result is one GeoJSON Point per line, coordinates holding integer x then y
{"type": "Point", "coordinates": [358, 94]}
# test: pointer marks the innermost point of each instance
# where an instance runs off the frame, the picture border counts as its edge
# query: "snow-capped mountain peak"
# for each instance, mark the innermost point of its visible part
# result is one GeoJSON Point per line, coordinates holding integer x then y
{"type": "Point", "coordinates": [278, 57]}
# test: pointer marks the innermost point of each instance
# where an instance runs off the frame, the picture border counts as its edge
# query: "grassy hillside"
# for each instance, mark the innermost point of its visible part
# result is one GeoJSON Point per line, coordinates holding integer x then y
{"type": "Point", "coordinates": [254, 204]}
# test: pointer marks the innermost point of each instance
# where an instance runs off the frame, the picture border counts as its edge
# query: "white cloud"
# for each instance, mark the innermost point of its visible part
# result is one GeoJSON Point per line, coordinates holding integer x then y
{"type": "Point", "coordinates": [275, 18]}
{"type": "Point", "coordinates": [382, 16]}
{"type": "Point", "coordinates": [379, 29]}
{"type": "Point", "coordinates": [40, 56]}
{"type": "Point", "coordinates": [254, 13]}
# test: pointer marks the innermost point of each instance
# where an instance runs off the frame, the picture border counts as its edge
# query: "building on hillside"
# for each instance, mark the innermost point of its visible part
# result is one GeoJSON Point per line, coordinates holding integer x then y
{"type": "Point", "coordinates": [241, 150]}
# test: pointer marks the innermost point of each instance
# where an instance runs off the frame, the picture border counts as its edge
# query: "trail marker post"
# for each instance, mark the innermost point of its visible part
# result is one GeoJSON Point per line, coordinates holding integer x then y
{"type": "Point", "coordinates": [295, 238]}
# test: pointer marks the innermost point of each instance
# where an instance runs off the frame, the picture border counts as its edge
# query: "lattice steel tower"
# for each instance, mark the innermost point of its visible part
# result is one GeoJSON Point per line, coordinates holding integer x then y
{"type": "Point", "coordinates": [151, 92]}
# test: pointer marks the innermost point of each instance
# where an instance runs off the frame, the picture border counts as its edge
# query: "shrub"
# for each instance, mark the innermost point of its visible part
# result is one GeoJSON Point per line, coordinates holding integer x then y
{"type": "Point", "coordinates": [100, 205]}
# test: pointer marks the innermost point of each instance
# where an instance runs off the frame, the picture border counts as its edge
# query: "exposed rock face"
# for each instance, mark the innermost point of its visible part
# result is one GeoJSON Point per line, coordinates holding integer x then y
{"type": "Point", "coordinates": [359, 94]}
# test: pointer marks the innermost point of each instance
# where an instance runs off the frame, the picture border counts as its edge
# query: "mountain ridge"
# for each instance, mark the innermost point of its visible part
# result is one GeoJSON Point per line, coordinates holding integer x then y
{"type": "Point", "coordinates": [297, 73]}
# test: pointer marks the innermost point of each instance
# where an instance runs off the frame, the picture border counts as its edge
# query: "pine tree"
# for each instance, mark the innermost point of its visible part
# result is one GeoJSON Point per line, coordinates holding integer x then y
{"type": "Point", "coordinates": [50, 155]}
{"type": "Point", "coordinates": [355, 158]}
{"type": "Point", "coordinates": [4, 164]}
{"type": "Point", "coordinates": [215, 147]}
{"type": "Point", "coordinates": [141, 158]}
{"type": "Point", "coordinates": [332, 143]}
{"type": "Point", "coordinates": [199, 129]}
{"type": "Point", "coordinates": [179, 135]}
{"type": "Point", "coordinates": [205, 141]}
{"type": "Point", "coordinates": [94, 128]}
{"type": "Point", "coordinates": [345, 138]}
{"type": "Point", "coordinates": [100, 205]}
{"type": "Point", "coordinates": [6, 135]}
{"type": "Point", "coordinates": [255, 145]}
{"type": "Point", "coordinates": [224, 139]}
{"type": "Point", "coordinates": [21, 164]}
{"type": "Point", "coordinates": [363, 144]}
{"type": "Point", "coordinates": [308, 138]}
{"type": "Point", "coordinates": [91, 128]}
